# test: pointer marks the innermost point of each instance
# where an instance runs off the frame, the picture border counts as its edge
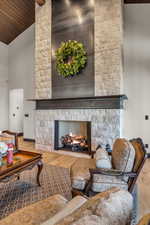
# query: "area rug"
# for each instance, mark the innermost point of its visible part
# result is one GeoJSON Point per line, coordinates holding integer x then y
{"type": "Point", "coordinates": [18, 194]}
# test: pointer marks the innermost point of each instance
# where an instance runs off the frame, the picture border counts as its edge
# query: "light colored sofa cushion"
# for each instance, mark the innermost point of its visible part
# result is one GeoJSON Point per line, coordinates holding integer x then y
{"type": "Point", "coordinates": [80, 172]}
{"type": "Point", "coordinates": [103, 182]}
{"type": "Point", "coordinates": [123, 155]}
{"type": "Point", "coordinates": [74, 204]}
{"type": "Point", "coordinates": [89, 220]}
{"type": "Point", "coordinates": [116, 204]}
{"type": "Point", "coordinates": [102, 159]}
{"type": "Point", "coordinates": [117, 208]}
{"type": "Point", "coordinates": [36, 213]}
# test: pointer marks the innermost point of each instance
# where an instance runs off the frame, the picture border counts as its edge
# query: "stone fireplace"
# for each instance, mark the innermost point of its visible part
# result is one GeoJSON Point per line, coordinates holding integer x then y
{"type": "Point", "coordinates": [105, 125]}
{"type": "Point", "coordinates": [104, 118]}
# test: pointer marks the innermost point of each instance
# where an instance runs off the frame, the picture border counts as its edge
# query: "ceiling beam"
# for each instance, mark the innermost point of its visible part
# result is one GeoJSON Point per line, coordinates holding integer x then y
{"type": "Point", "coordinates": [40, 2]}
{"type": "Point", "coordinates": [136, 1]}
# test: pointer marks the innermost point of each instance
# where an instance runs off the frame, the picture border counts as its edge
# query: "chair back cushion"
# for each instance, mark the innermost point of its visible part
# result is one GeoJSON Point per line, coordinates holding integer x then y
{"type": "Point", "coordinates": [123, 155]}
{"type": "Point", "coordinates": [102, 159]}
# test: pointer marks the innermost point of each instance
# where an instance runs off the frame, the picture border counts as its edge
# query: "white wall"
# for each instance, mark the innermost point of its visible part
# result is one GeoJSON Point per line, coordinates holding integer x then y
{"type": "Point", "coordinates": [3, 86]}
{"type": "Point", "coordinates": [137, 71]}
{"type": "Point", "coordinates": [21, 74]}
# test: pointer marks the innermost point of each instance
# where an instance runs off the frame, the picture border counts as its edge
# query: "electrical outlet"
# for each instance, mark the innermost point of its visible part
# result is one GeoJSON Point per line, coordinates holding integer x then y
{"type": "Point", "coordinates": [146, 117]}
{"type": "Point", "coordinates": [146, 146]}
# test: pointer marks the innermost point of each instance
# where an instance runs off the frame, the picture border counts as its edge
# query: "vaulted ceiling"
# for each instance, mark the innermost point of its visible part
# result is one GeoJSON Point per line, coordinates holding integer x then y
{"type": "Point", "coordinates": [17, 15]}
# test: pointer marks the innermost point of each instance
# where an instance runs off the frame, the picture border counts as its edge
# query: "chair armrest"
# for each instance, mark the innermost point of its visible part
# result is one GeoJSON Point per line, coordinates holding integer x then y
{"type": "Point", "coordinates": [111, 172]}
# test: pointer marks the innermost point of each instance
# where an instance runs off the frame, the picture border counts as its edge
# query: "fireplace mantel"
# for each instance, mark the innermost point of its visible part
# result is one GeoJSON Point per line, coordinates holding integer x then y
{"type": "Point", "coordinates": [98, 102]}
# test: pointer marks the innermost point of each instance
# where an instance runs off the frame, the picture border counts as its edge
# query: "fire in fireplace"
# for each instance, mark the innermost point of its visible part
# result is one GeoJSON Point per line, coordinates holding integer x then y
{"type": "Point", "coordinates": [73, 136]}
{"type": "Point", "coordinates": [75, 142]}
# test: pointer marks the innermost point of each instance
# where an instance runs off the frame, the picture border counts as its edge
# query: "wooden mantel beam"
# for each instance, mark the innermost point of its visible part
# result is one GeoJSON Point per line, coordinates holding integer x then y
{"type": "Point", "coordinates": [40, 2]}
{"type": "Point", "coordinates": [136, 1]}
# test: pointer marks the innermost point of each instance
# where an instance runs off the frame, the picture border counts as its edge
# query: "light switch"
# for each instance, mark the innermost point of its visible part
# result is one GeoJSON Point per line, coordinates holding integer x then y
{"type": "Point", "coordinates": [146, 146]}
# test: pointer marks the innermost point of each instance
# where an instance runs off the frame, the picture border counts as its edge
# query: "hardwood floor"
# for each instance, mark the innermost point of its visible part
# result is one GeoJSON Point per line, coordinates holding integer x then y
{"type": "Point", "coordinates": [65, 160]}
{"type": "Point", "coordinates": [51, 158]}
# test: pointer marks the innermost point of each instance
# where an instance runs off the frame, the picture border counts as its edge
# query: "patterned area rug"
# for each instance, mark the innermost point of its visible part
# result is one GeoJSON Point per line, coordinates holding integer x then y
{"type": "Point", "coordinates": [18, 194]}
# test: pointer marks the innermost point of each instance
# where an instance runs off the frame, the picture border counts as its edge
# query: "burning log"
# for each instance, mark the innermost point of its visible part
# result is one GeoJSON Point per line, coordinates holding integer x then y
{"type": "Point", "coordinates": [77, 143]}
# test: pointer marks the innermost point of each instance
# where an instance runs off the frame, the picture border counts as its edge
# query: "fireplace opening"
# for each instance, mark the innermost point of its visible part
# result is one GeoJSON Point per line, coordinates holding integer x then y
{"type": "Point", "coordinates": [73, 136]}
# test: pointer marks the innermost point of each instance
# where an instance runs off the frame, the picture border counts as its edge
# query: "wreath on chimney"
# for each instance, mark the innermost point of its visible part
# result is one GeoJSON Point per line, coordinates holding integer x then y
{"type": "Point", "coordinates": [71, 58]}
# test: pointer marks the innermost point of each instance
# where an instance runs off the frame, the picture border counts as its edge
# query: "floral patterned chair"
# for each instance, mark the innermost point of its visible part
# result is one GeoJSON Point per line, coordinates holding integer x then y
{"type": "Point", "coordinates": [120, 170]}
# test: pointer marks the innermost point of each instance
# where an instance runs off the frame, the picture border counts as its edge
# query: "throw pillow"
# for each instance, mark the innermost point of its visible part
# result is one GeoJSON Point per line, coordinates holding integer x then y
{"type": "Point", "coordinates": [102, 159]}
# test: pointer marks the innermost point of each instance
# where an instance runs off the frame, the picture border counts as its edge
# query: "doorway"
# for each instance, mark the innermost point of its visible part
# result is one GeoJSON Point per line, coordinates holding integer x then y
{"type": "Point", "coordinates": [16, 100]}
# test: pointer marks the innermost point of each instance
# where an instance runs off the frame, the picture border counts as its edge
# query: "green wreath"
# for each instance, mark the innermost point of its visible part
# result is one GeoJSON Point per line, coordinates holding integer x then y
{"type": "Point", "coordinates": [71, 58]}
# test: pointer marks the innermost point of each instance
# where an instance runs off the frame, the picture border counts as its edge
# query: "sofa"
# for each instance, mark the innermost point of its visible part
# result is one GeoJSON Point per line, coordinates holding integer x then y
{"type": "Point", "coordinates": [113, 207]}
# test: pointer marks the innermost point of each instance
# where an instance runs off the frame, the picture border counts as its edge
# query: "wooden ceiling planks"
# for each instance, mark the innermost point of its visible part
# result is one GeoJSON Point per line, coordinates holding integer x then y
{"type": "Point", "coordinates": [15, 17]}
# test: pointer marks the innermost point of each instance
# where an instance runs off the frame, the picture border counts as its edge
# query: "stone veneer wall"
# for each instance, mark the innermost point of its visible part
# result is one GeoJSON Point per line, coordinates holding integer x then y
{"type": "Point", "coordinates": [43, 51]}
{"type": "Point", "coordinates": [108, 74]}
{"type": "Point", "coordinates": [108, 47]}
{"type": "Point", "coordinates": [105, 126]}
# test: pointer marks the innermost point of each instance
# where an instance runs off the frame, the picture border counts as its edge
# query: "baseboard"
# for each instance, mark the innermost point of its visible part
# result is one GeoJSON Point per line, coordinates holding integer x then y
{"type": "Point", "coordinates": [29, 139]}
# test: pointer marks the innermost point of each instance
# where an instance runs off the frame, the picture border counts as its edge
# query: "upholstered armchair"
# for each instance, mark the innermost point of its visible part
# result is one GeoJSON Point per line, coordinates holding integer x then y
{"type": "Point", "coordinates": [120, 169]}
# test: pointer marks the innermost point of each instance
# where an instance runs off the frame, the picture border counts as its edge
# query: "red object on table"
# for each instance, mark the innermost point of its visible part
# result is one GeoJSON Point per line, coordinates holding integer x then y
{"type": "Point", "coordinates": [10, 153]}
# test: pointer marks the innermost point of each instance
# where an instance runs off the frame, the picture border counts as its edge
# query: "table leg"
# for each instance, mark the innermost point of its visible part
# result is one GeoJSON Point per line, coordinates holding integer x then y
{"type": "Point", "coordinates": [40, 167]}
